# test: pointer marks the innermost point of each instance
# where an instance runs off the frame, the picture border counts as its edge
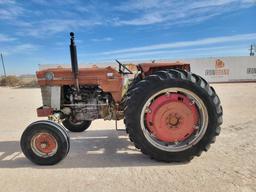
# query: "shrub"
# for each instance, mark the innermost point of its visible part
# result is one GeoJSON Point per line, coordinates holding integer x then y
{"type": "Point", "coordinates": [14, 81]}
{"type": "Point", "coordinates": [10, 81]}
{"type": "Point", "coordinates": [30, 84]}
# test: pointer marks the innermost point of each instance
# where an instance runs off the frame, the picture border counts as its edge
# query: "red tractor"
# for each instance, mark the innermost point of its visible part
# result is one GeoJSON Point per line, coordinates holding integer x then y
{"type": "Point", "coordinates": [170, 114]}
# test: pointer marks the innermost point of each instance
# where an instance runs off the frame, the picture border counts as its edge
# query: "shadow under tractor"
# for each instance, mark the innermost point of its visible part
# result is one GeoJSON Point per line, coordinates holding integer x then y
{"type": "Point", "coordinates": [170, 114]}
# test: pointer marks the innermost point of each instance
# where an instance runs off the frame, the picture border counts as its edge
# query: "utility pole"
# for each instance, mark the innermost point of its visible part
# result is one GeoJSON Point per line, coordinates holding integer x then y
{"type": "Point", "coordinates": [251, 50]}
{"type": "Point", "coordinates": [2, 58]}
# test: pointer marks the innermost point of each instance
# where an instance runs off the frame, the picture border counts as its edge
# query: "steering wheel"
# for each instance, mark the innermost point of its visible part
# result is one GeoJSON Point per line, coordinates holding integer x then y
{"type": "Point", "coordinates": [122, 68]}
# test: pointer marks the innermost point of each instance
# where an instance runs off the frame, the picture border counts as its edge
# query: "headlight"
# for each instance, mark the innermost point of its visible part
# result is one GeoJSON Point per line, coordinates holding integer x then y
{"type": "Point", "coordinates": [49, 76]}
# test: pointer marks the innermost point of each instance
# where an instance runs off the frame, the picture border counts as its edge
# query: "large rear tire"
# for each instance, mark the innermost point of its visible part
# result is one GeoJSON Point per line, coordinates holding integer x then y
{"type": "Point", "coordinates": [173, 115]}
{"type": "Point", "coordinates": [45, 143]}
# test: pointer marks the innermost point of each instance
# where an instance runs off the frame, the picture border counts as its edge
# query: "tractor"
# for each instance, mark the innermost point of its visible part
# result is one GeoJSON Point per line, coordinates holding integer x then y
{"type": "Point", "coordinates": [170, 113]}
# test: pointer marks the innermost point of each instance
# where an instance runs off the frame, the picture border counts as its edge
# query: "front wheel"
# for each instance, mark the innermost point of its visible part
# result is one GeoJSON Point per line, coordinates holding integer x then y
{"type": "Point", "coordinates": [76, 126]}
{"type": "Point", "coordinates": [173, 115]}
{"type": "Point", "coordinates": [45, 143]}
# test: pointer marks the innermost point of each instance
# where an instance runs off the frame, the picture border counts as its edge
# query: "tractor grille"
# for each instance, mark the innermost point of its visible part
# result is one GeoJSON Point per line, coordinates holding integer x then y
{"type": "Point", "coordinates": [46, 95]}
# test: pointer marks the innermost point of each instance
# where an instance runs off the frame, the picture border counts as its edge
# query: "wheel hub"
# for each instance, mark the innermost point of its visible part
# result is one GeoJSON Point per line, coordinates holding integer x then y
{"type": "Point", "coordinates": [44, 144]}
{"type": "Point", "coordinates": [173, 120]}
{"type": "Point", "coordinates": [172, 117]}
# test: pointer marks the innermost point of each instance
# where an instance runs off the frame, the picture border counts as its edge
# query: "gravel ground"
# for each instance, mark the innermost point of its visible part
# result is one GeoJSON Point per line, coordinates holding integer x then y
{"type": "Point", "coordinates": [102, 159]}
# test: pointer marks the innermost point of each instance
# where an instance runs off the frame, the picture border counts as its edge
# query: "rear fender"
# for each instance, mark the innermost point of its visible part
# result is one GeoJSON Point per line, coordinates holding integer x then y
{"type": "Point", "coordinates": [148, 68]}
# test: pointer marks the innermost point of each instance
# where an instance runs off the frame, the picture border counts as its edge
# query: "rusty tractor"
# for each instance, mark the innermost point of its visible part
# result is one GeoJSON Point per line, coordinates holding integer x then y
{"type": "Point", "coordinates": [170, 114]}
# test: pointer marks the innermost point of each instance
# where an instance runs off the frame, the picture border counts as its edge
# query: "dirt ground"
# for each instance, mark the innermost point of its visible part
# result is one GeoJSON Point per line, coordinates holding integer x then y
{"type": "Point", "coordinates": [102, 159]}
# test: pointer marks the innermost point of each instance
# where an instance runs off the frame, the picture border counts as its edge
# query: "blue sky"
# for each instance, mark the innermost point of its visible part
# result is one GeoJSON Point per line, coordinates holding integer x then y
{"type": "Point", "coordinates": [37, 31]}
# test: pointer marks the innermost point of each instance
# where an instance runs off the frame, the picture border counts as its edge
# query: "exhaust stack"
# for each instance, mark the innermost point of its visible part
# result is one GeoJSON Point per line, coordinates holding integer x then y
{"type": "Point", "coordinates": [73, 55]}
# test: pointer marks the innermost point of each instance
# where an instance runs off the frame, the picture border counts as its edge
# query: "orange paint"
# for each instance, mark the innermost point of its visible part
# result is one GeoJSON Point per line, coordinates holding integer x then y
{"type": "Point", "coordinates": [99, 76]}
{"type": "Point", "coordinates": [149, 68]}
{"type": "Point", "coordinates": [87, 76]}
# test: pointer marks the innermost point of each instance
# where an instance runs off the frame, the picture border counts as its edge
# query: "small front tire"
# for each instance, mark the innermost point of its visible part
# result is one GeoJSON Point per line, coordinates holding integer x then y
{"type": "Point", "coordinates": [45, 143]}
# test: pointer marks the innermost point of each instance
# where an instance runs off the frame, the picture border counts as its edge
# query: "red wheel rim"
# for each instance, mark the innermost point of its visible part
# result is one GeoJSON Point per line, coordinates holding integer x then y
{"type": "Point", "coordinates": [44, 144]}
{"type": "Point", "coordinates": [172, 117]}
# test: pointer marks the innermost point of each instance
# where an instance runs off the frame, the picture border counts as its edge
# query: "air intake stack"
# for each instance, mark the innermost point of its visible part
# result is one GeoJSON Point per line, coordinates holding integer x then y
{"type": "Point", "coordinates": [73, 55]}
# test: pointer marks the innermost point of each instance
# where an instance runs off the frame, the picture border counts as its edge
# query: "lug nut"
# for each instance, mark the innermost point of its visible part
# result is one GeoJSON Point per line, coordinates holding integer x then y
{"type": "Point", "coordinates": [148, 110]}
{"type": "Point", "coordinates": [43, 145]}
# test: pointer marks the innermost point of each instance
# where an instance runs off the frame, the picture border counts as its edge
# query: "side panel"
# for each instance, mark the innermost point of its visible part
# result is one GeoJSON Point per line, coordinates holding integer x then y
{"type": "Point", "coordinates": [108, 79]}
{"type": "Point", "coordinates": [55, 97]}
{"type": "Point", "coordinates": [46, 95]}
{"type": "Point", "coordinates": [51, 96]}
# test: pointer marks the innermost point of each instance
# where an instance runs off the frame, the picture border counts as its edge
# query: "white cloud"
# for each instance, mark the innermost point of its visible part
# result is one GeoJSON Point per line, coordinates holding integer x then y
{"type": "Point", "coordinates": [52, 26]}
{"type": "Point", "coordinates": [182, 44]}
{"type": "Point", "coordinates": [26, 48]}
{"type": "Point", "coordinates": [138, 5]}
{"type": "Point", "coordinates": [40, 23]}
{"type": "Point", "coordinates": [4, 2]}
{"type": "Point", "coordinates": [102, 39]}
{"type": "Point", "coordinates": [146, 19]}
{"type": "Point", "coordinates": [56, 2]}
{"type": "Point", "coordinates": [160, 55]}
{"type": "Point", "coordinates": [150, 12]}
{"type": "Point", "coordinates": [10, 10]}
{"type": "Point", "coordinates": [183, 53]}
{"type": "Point", "coordinates": [10, 13]}
{"type": "Point", "coordinates": [6, 38]}
{"type": "Point", "coordinates": [140, 13]}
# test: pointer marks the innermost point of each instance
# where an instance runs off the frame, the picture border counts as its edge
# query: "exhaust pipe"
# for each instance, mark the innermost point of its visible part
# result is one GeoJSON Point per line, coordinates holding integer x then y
{"type": "Point", "coordinates": [74, 64]}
